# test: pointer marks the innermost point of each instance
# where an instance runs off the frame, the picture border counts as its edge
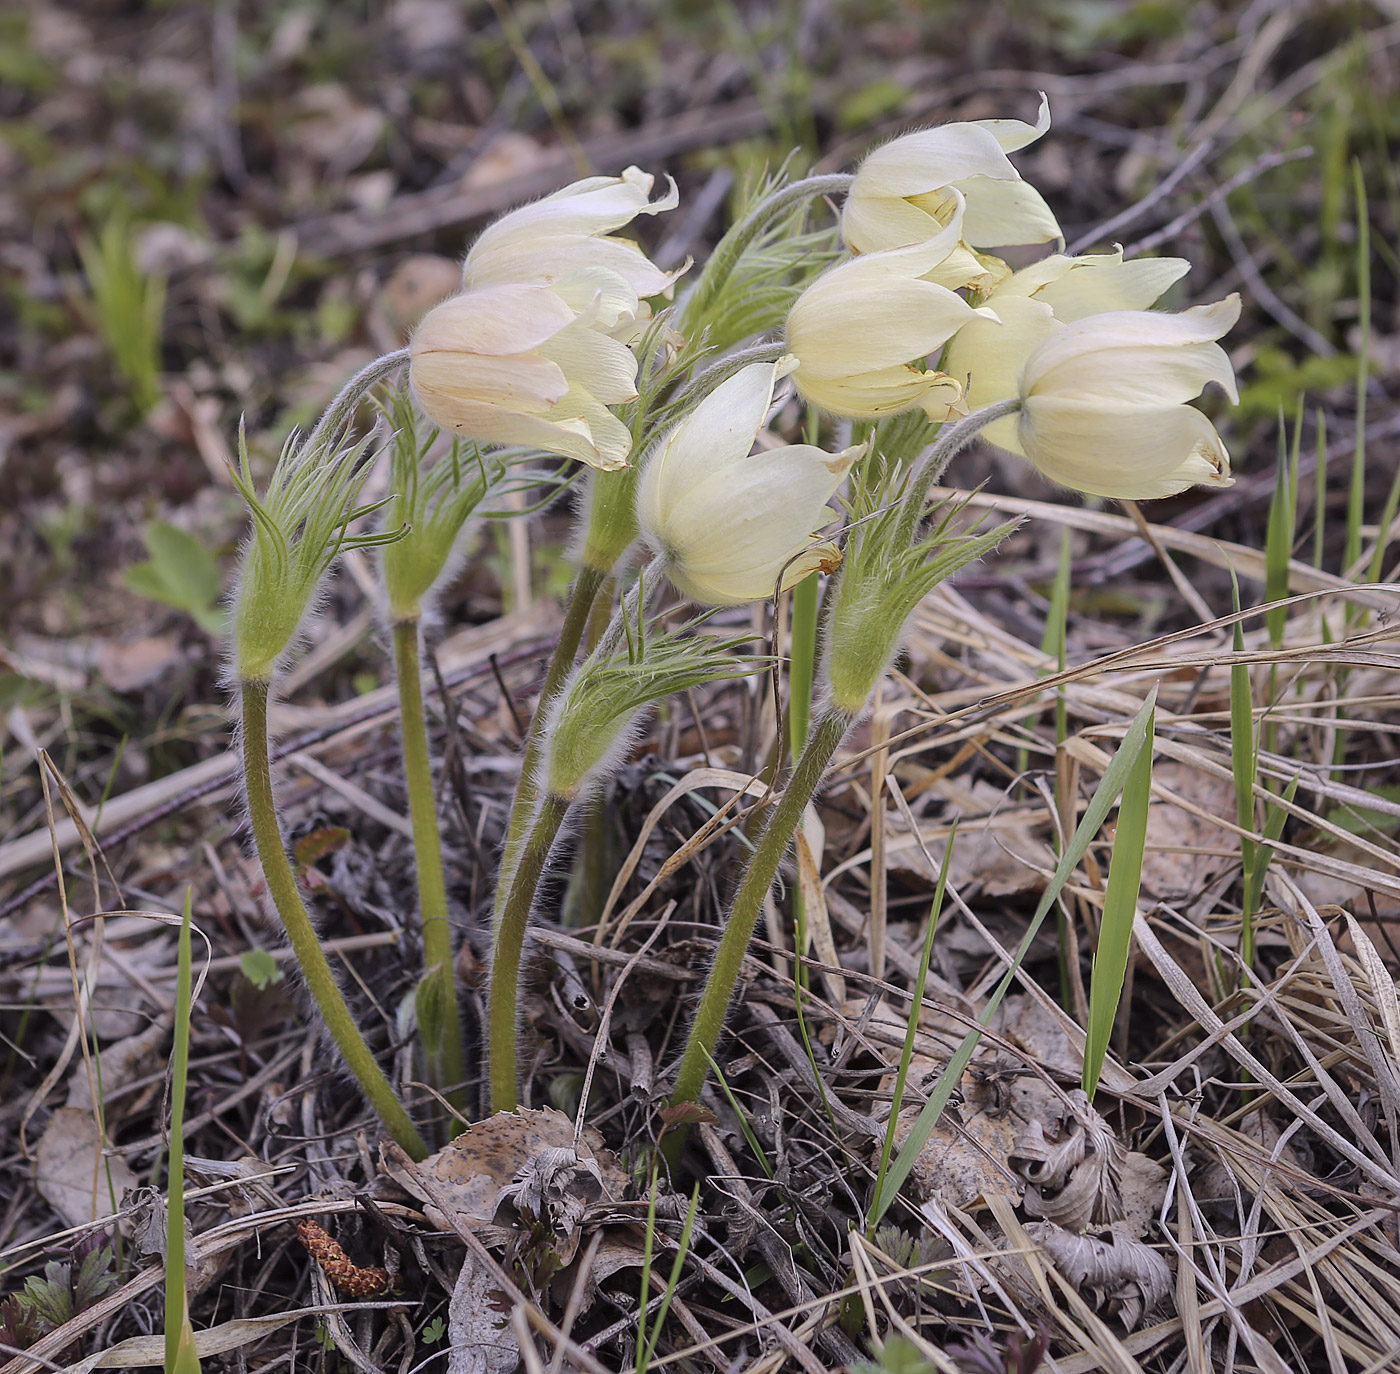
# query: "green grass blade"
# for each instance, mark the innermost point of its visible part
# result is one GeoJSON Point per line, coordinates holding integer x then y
{"type": "Point", "coordinates": [911, 1031]}
{"type": "Point", "coordinates": [682, 1249]}
{"type": "Point", "coordinates": [1244, 762]}
{"type": "Point", "coordinates": [1278, 543]}
{"type": "Point", "coordinates": [1110, 964]}
{"type": "Point", "coordinates": [1320, 488]}
{"type": "Point", "coordinates": [180, 1356]}
{"type": "Point", "coordinates": [1110, 785]}
{"type": "Point", "coordinates": [1274, 818]}
{"type": "Point", "coordinates": [1356, 495]}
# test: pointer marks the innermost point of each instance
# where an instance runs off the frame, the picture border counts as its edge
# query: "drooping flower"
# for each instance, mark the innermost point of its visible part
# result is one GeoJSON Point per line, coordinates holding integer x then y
{"type": "Point", "coordinates": [1104, 402]}
{"type": "Point", "coordinates": [861, 329]}
{"type": "Point", "coordinates": [901, 192]}
{"type": "Point", "coordinates": [571, 233]}
{"type": "Point", "coordinates": [517, 364]}
{"type": "Point", "coordinates": [987, 356]}
{"type": "Point", "coordinates": [727, 522]}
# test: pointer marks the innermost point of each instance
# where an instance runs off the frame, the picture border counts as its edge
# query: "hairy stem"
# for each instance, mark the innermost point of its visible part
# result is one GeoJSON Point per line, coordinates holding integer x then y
{"type": "Point", "coordinates": [506, 946]}
{"type": "Point", "coordinates": [822, 743]}
{"type": "Point", "coordinates": [585, 590]}
{"type": "Point", "coordinates": [442, 1041]}
{"type": "Point", "coordinates": [301, 934]}
{"type": "Point", "coordinates": [342, 409]}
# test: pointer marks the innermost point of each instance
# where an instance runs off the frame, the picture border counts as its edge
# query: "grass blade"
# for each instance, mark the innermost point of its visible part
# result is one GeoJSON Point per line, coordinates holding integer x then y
{"type": "Point", "coordinates": [1110, 964]}
{"type": "Point", "coordinates": [1110, 785]}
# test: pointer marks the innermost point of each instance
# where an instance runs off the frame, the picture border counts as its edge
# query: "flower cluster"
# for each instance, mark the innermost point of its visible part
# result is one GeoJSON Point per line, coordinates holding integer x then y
{"type": "Point", "coordinates": [563, 340]}
{"type": "Point", "coordinates": [1103, 381]}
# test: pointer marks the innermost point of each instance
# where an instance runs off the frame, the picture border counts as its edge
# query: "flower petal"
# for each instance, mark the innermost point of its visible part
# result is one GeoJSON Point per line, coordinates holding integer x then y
{"type": "Point", "coordinates": [1159, 451]}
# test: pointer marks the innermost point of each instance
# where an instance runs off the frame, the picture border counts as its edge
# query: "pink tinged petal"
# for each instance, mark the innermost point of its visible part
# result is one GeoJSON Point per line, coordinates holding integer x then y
{"type": "Point", "coordinates": [1133, 453]}
{"type": "Point", "coordinates": [492, 320]}
{"type": "Point", "coordinates": [494, 424]}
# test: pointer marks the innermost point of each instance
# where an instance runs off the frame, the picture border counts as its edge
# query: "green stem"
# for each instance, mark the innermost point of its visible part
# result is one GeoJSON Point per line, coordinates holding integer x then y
{"type": "Point", "coordinates": [506, 946]}
{"type": "Point", "coordinates": [585, 590]}
{"type": "Point", "coordinates": [301, 934]}
{"type": "Point", "coordinates": [442, 1041]}
{"type": "Point", "coordinates": [934, 460]}
{"type": "Point", "coordinates": [782, 824]}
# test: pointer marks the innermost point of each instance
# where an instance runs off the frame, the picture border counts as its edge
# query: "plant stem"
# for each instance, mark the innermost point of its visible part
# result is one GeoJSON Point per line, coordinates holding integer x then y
{"type": "Point", "coordinates": [822, 744]}
{"type": "Point", "coordinates": [301, 934]}
{"type": "Point", "coordinates": [347, 401]}
{"type": "Point", "coordinates": [507, 943]}
{"type": "Point", "coordinates": [585, 591]}
{"type": "Point", "coordinates": [442, 1043]}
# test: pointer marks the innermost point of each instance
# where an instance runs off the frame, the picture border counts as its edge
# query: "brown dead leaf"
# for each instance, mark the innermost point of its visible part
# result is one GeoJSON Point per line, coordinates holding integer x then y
{"type": "Point", "coordinates": [72, 1172]}
{"type": "Point", "coordinates": [506, 157]}
{"type": "Point", "coordinates": [1119, 1278]}
{"type": "Point", "coordinates": [962, 1163]}
{"type": "Point", "coordinates": [139, 662]}
{"type": "Point", "coordinates": [478, 1324]}
{"type": "Point", "coordinates": [1182, 856]}
{"type": "Point", "coordinates": [494, 1160]}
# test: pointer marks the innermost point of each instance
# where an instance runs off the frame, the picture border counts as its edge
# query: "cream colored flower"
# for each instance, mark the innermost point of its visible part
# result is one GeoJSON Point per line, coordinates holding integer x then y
{"type": "Point", "coordinates": [900, 194]}
{"type": "Point", "coordinates": [858, 330]}
{"type": "Point", "coordinates": [987, 355]}
{"type": "Point", "coordinates": [516, 364]}
{"type": "Point", "coordinates": [570, 233]}
{"type": "Point", "coordinates": [727, 522]}
{"type": "Point", "coordinates": [1104, 402]}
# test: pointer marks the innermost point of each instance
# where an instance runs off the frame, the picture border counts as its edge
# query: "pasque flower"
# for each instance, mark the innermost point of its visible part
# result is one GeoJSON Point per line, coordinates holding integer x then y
{"type": "Point", "coordinates": [1104, 402]}
{"type": "Point", "coordinates": [860, 329]}
{"type": "Point", "coordinates": [1103, 381]}
{"type": "Point", "coordinates": [569, 235]}
{"type": "Point", "coordinates": [518, 364]}
{"type": "Point", "coordinates": [987, 355]}
{"type": "Point", "coordinates": [727, 523]}
{"type": "Point", "coordinates": [901, 192]}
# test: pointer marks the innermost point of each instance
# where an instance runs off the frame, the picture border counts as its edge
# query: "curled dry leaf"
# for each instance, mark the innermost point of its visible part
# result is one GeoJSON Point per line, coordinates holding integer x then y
{"type": "Point", "coordinates": [1074, 1171]}
{"type": "Point", "coordinates": [525, 1160]}
{"type": "Point", "coordinates": [1121, 1278]}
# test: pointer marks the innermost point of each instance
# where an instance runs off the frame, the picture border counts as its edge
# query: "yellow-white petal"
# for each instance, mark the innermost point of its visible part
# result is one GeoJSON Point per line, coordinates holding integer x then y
{"type": "Point", "coordinates": [987, 355]}
{"type": "Point", "coordinates": [1095, 283]}
{"type": "Point", "coordinates": [1130, 453]}
{"type": "Point", "coordinates": [1002, 214]}
{"type": "Point", "coordinates": [1015, 134]}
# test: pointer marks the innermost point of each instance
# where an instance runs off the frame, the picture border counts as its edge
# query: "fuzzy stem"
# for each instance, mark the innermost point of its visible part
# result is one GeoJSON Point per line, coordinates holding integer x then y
{"type": "Point", "coordinates": [585, 591]}
{"type": "Point", "coordinates": [338, 414]}
{"type": "Point", "coordinates": [506, 946]}
{"type": "Point", "coordinates": [826, 737]}
{"type": "Point", "coordinates": [301, 934]}
{"type": "Point", "coordinates": [934, 460]}
{"type": "Point", "coordinates": [447, 1067]}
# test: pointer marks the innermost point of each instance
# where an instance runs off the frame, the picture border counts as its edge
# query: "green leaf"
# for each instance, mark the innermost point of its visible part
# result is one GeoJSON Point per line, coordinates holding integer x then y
{"type": "Point", "coordinates": [181, 572]}
{"type": "Point", "coordinates": [260, 968]}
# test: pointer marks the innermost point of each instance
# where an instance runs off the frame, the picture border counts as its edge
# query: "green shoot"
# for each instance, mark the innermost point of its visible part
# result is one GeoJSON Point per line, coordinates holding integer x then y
{"type": "Point", "coordinates": [1356, 494]}
{"type": "Point", "coordinates": [1278, 543]}
{"type": "Point", "coordinates": [126, 307]}
{"type": "Point", "coordinates": [743, 1117]}
{"type": "Point", "coordinates": [907, 1053]}
{"type": "Point", "coordinates": [180, 1355]}
{"type": "Point", "coordinates": [682, 1249]}
{"type": "Point", "coordinates": [1110, 785]}
{"type": "Point", "coordinates": [1320, 481]}
{"type": "Point", "coordinates": [1244, 764]}
{"type": "Point", "coordinates": [1110, 966]}
{"type": "Point", "coordinates": [181, 572]}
